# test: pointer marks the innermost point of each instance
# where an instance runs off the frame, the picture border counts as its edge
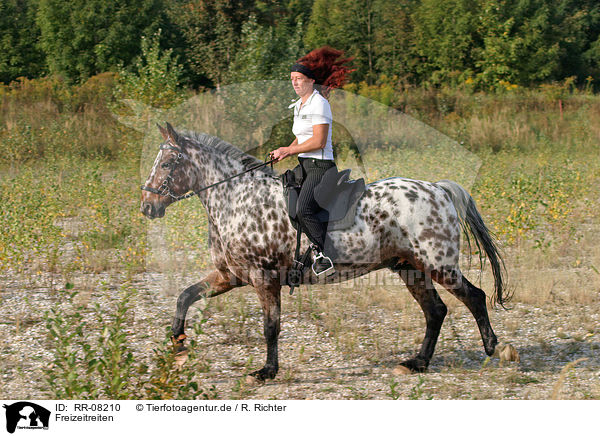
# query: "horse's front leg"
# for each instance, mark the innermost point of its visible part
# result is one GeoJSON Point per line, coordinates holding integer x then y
{"type": "Point", "coordinates": [270, 299]}
{"type": "Point", "coordinates": [216, 283]}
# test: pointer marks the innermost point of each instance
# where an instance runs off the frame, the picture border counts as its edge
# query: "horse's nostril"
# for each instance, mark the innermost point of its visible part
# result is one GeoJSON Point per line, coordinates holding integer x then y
{"type": "Point", "coordinates": [146, 209]}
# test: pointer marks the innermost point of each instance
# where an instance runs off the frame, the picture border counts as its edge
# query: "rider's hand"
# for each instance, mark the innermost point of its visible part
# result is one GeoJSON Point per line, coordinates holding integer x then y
{"type": "Point", "coordinates": [280, 154]}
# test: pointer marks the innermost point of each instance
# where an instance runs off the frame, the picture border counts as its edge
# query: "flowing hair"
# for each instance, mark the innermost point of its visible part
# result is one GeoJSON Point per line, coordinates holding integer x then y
{"type": "Point", "coordinates": [327, 65]}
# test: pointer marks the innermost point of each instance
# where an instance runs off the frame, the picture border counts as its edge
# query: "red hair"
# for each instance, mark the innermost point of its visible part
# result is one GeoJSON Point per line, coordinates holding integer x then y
{"type": "Point", "coordinates": [327, 65]}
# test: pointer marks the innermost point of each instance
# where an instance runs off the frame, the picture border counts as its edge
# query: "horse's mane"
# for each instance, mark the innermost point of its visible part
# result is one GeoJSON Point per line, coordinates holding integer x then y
{"type": "Point", "coordinates": [226, 149]}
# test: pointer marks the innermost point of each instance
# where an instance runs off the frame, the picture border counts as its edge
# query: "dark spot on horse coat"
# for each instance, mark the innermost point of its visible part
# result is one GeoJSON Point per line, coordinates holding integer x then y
{"type": "Point", "coordinates": [269, 264]}
{"type": "Point", "coordinates": [432, 234]}
{"type": "Point", "coordinates": [412, 196]}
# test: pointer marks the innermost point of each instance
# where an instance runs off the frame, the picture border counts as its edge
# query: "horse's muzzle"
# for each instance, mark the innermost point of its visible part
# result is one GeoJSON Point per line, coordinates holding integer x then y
{"type": "Point", "coordinates": [151, 210]}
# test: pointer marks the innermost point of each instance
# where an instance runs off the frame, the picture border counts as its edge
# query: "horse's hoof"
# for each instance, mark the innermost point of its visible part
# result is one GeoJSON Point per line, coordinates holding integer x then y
{"type": "Point", "coordinates": [178, 347]}
{"type": "Point", "coordinates": [490, 346]}
{"type": "Point", "coordinates": [180, 358]}
{"type": "Point", "coordinates": [401, 370]}
{"type": "Point", "coordinates": [252, 381]}
{"type": "Point", "coordinates": [507, 353]}
{"type": "Point", "coordinates": [411, 366]}
{"type": "Point", "coordinates": [263, 374]}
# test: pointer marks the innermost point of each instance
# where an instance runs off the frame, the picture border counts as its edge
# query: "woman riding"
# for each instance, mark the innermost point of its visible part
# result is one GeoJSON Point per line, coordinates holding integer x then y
{"type": "Point", "coordinates": [322, 69]}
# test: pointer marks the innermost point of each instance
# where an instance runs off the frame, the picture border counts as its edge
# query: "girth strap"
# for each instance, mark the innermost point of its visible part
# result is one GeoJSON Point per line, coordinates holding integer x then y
{"type": "Point", "coordinates": [296, 272]}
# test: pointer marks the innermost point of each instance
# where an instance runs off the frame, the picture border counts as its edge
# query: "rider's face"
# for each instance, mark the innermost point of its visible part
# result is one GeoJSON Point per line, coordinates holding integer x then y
{"type": "Point", "coordinates": [302, 84]}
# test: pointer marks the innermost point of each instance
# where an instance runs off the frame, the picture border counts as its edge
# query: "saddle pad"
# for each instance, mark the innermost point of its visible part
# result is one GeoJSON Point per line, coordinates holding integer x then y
{"type": "Point", "coordinates": [338, 197]}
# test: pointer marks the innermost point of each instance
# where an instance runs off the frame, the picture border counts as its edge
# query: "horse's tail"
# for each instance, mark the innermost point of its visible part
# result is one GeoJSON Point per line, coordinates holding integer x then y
{"type": "Point", "coordinates": [472, 223]}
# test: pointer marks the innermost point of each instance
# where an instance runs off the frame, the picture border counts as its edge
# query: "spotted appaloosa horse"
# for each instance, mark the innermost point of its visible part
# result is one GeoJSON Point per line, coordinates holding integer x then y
{"type": "Point", "coordinates": [412, 227]}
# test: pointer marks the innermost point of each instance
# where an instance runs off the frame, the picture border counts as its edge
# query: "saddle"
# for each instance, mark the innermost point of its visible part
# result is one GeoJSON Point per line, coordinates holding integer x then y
{"type": "Point", "coordinates": [338, 197]}
{"type": "Point", "coordinates": [336, 194]}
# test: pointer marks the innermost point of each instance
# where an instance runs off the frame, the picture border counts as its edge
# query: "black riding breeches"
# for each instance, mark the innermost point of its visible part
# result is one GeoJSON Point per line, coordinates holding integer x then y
{"type": "Point", "coordinates": [307, 206]}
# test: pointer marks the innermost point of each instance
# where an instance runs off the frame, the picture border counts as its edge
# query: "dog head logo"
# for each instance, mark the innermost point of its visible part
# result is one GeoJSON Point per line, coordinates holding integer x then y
{"type": "Point", "coordinates": [26, 415]}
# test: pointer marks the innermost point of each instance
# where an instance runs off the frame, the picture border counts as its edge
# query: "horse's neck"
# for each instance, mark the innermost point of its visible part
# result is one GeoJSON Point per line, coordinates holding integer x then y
{"type": "Point", "coordinates": [212, 167]}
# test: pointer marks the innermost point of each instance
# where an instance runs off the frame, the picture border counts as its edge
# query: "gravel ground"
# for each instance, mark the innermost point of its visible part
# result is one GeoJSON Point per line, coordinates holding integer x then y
{"type": "Point", "coordinates": [335, 343]}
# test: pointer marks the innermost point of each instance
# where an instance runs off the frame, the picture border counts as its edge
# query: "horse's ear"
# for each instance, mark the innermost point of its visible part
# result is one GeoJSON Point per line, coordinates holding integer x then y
{"type": "Point", "coordinates": [163, 132]}
{"type": "Point", "coordinates": [172, 133]}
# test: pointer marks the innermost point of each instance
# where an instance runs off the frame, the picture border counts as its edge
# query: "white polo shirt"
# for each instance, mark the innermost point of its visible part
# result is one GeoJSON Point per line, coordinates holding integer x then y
{"type": "Point", "coordinates": [315, 111]}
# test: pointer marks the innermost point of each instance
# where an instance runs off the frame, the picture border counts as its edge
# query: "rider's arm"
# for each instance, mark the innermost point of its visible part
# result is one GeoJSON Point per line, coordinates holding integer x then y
{"type": "Point", "coordinates": [316, 142]}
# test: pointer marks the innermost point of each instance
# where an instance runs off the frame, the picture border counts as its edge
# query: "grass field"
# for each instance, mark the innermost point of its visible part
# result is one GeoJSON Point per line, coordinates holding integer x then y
{"type": "Point", "coordinates": [88, 293]}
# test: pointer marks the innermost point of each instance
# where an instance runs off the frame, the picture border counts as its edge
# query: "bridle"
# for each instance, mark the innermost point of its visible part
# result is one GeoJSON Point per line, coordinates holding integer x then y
{"type": "Point", "coordinates": [164, 190]}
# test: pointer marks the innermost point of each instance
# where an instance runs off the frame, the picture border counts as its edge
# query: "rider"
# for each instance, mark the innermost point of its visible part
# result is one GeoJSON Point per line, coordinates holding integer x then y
{"type": "Point", "coordinates": [322, 69]}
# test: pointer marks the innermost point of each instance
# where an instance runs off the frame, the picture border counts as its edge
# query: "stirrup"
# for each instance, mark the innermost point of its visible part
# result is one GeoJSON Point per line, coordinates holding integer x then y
{"type": "Point", "coordinates": [318, 257]}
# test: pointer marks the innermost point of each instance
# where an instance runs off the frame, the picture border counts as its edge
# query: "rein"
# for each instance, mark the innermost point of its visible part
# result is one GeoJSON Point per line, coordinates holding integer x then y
{"type": "Point", "coordinates": [165, 191]}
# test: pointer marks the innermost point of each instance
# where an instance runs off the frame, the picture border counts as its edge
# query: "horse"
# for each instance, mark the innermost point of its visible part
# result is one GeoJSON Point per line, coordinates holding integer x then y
{"type": "Point", "coordinates": [411, 227]}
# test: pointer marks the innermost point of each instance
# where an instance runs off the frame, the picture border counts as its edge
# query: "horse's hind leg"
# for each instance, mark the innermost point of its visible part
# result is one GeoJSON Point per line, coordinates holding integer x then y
{"type": "Point", "coordinates": [474, 299]}
{"type": "Point", "coordinates": [216, 283]}
{"type": "Point", "coordinates": [269, 295]}
{"type": "Point", "coordinates": [421, 288]}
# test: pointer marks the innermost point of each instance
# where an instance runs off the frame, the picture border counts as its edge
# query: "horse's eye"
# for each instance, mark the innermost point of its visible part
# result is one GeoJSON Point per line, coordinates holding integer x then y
{"type": "Point", "coordinates": [166, 165]}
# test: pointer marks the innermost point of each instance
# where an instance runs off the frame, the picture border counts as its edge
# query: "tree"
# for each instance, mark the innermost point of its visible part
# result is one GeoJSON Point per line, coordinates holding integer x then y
{"type": "Point", "coordinates": [393, 37]}
{"type": "Point", "coordinates": [346, 25]}
{"type": "Point", "coordinates": [84, 37]}
{"type": "Point", "coordinates": [265, 52]}
{"type": "Point", "coordinates": [531, 41]}
{"type": "Point", "coordinates": [212, 30]}
{"type": "Point", "coordinates": [19, 56]}
{"type": "Point", "coordinates": [446, 35]}
{"type": "Point", "coordinates": [577, 27]}
{"type": "Point", "coordinates": [156, 77]}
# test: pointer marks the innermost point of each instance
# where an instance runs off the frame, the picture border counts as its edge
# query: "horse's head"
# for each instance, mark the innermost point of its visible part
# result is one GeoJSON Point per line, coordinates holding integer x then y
{"type": "Point", "coordinates": [170, 177]}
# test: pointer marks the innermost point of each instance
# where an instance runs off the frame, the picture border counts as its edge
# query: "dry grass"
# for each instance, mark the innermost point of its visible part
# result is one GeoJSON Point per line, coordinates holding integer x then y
{"type": "Point", "coordinates": [339, 341]}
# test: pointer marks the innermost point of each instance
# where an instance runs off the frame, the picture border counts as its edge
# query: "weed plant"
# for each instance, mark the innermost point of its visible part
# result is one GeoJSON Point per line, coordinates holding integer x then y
{"type": "Point", "coordinates": [93, 359]}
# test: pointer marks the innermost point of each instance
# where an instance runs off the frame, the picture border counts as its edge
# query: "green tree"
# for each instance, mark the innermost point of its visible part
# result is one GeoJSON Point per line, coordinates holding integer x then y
{"type": "Point", "coordinates": [212, 30]}
{"type": "Point", "coordinates": [536, 48]}
{"type": "Point", "coordinates": [496, 59]}
{"type": "Point", "coordinates": [346, 25]}
{"type": "Point", "coordinates": [446, 35]}
{"type": "Point", "coordinates": [85, 37]}
{"type": "Point", "coordinates": [577, 28]}
{"type": "Point", "coordinates": [266, 52]}
{"type": "Point", "coordinates": [19, 55]}
{"type": "Point", "coordinates": [531, 41]}
{"type": "Point", "coordinates": [394, 39]}
{"type": "Point", "coordinates": [155, 78]}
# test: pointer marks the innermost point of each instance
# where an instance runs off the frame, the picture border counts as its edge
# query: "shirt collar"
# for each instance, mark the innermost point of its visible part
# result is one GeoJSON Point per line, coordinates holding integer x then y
{"type": "Point", "coordinates": [298, 102]}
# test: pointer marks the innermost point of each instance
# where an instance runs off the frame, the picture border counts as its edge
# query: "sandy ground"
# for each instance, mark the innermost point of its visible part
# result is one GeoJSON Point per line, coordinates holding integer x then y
{"type": "Point", "coordinates": [335, 343]}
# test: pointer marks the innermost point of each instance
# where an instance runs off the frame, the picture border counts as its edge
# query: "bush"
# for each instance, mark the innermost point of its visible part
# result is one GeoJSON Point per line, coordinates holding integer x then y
{"type": "Point", "coordinates": [155, 78]}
